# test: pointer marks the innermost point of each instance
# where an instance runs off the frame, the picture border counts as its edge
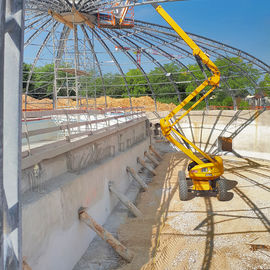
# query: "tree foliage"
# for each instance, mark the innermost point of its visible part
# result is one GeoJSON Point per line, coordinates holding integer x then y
{"type": "Point", "coordinates": [265, 84]}
{"type": "Point", "coordinates": [238, 80]}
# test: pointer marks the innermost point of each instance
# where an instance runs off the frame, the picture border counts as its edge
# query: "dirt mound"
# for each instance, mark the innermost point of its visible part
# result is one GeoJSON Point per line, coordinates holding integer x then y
{"type": "Point", "coordinates": [36, 104]}
{"type": "Point", "coordinates": [47, 104]}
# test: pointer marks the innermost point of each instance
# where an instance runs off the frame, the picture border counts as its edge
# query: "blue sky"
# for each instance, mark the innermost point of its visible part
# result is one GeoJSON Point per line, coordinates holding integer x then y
{"type": "Point", "coordinates": [244, 24]}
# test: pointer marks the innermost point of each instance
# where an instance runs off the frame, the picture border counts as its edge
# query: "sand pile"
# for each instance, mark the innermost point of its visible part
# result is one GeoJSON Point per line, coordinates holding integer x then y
{"type": "Point", "coordinates": [47, 104]}
{"type": "Point", "coordinates": [36, 104]}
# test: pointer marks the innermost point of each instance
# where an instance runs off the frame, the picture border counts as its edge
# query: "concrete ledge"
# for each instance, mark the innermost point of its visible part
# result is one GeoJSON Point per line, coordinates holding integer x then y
{"type": "Point", "coordinates": [60, 147]}
{"type": "Point", "coordinates": [77, 155]}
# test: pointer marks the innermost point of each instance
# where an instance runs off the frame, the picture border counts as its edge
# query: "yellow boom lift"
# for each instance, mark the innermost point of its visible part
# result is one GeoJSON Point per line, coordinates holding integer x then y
{"type": "Point", "coordinates": [205, 171]}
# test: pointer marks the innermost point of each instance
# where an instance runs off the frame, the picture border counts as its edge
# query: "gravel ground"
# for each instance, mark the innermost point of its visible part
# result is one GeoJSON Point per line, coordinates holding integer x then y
{"type": "Point", "coordinates": [202, 233]}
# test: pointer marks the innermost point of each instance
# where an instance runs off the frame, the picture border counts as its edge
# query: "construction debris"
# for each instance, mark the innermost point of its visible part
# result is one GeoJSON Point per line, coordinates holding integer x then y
{"type": "Point", "coordinates": [261, 243]}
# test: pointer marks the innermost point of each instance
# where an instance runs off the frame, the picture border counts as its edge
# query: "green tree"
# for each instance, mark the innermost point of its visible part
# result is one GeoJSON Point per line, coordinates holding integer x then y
{"type": "Point", "coordinates": [137, 83]}
{"type": "Point", "coordinates": [26, 71]}
{"type": "Point", "coordinates": [162, 85]}
{"type": "Point", "coordinates": [238, 76]}
{"type": "Point", "coordinates": [235, 74]}
{"type": "Point", "coordinates": [115, 85]}
{"type": "Point", "coordinates": [43, 79]}
{"type": "Point", "coordinates": [265, 84]}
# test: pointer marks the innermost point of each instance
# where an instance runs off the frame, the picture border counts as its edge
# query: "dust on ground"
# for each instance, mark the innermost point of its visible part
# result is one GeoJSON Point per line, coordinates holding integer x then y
{"type": "Point", "coordinates": [63, 103]}
{"type": "Point", "coordinates": [202, 233]}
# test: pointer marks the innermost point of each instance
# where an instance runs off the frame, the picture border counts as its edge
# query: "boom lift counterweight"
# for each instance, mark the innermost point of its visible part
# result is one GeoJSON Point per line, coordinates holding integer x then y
{"type": "Point", "coordinates": [205, 172]}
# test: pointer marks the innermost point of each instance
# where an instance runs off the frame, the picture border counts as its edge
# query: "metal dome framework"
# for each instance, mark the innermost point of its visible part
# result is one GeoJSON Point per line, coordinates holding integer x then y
{"type": "Point", "coordinates": [89, 54]}
{"type": "Point", "coordinates": [68, 35]}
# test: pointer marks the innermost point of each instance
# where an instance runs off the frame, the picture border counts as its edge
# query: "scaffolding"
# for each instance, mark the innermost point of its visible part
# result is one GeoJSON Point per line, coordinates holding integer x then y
{"type": "Point", "coordinates": [74, 72]}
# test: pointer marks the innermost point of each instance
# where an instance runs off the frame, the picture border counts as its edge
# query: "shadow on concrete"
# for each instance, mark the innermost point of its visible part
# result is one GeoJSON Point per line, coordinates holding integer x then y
{"type": "Point", "coordinates": [265, 221]}
{"type": "Point", "coordinates": [152, 241]}
{"type": "Point", "coordinates": [163, 213]}
{"type": "Point", "coordinates": [209, 223]}
{"type": "Point", "coordinates": [210, 231]}
{"type": "Point", "coordinates": [251, 167]}
{"type": "Point", "coordinates": [214, 146]}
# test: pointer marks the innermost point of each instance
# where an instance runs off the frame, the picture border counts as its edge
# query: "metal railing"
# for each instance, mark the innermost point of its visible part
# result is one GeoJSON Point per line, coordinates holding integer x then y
{"type": "Point", "coordinates": [47, 127]}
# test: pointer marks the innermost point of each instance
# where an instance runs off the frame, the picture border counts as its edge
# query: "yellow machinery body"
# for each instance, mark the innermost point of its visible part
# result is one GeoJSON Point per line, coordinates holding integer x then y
{"type": "Point", "coordinates": [208, 168]}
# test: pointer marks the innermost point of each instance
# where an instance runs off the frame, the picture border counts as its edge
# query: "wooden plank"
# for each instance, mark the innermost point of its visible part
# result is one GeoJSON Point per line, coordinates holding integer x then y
{"type": "Point", "coordinates": [146, 166]}
{"type": "Point", "coordinates": [124, 199]}
{"type": "Point", "coordinates": [151, 148]}
{"type": "Point", "coordinates": [86, 20]}
{"type": "Point", "coordinates": [105, 235]}
{"type": "Point", "coordinates": [60, 19]}
{"type": "Point", "coordinates": [151, 158]}
{"type": "Point", "coordinates": [137, 178]}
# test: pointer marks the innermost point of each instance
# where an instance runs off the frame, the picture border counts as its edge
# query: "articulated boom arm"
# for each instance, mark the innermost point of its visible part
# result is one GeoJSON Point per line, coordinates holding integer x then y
{"type": "Point", "coordinates": [166, 126]}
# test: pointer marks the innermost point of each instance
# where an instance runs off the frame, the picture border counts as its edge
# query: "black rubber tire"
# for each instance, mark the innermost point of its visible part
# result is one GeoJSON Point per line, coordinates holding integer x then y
{"type": "Point", "coordinates": [191, 165]}
{"type": "Point", "coordinates": [183, 186]}
{"type": "Point", "coordinates": [221, 189]}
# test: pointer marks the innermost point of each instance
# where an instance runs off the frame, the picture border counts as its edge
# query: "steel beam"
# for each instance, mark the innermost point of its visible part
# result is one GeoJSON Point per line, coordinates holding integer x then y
{"type": "Point", "coordinates": [101, 41]}
{"type": "Point", "coordinates": [157, 63]}
{"type": "Point", "coordinates": [2, 54]}
{"type": "Point", "coordinates": [91, 45]}
{"type": "Point", "coordinates": [11, 52]}
{"type": "Point", "coordinates": [210, 42]}
{"type": "Point", "coordinates": [115, 42]}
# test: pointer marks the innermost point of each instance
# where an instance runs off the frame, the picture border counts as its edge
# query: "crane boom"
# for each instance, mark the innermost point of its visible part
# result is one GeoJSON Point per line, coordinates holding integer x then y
{"type": "Point", "coordinates": [166, 126]}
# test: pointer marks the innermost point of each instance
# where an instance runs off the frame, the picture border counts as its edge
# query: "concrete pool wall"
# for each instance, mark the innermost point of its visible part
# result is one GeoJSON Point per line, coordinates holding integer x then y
{"type": "Point", "coordinates": [57, 182]}
{"type": "Point", "coordinates": [249, 130]}
{"type": "Point", "coordinates": [55, 188]}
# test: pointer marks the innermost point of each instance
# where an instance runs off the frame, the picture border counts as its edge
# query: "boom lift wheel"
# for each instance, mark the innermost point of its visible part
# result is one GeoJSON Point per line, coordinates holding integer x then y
{"type": "Point", "coordinates": [221, 189]}
{"type": "Point", "coordinates": [183, 186]}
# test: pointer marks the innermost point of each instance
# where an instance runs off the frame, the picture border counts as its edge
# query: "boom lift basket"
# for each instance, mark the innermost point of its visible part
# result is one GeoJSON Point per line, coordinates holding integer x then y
{"type": "Point", "coordinates": [107, 19]}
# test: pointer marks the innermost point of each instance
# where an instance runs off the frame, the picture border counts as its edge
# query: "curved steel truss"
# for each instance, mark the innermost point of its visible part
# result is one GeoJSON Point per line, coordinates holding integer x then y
{"type": "Point", "coordinates": [66, 33]}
